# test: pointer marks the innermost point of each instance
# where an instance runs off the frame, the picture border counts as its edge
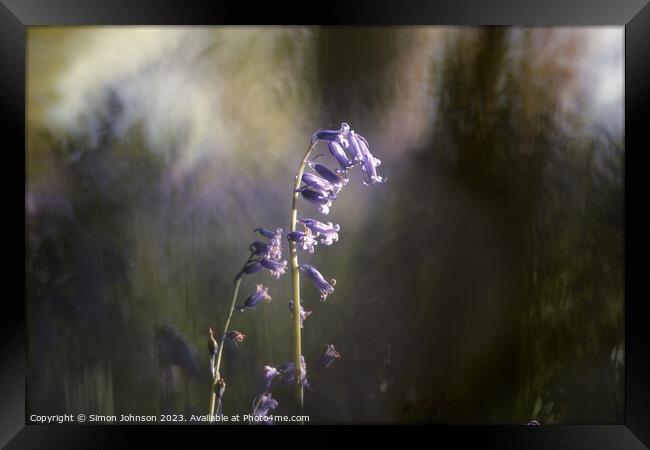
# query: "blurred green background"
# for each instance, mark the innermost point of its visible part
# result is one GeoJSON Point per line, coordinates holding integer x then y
{"type": "Point", "coordinates": [483, 283]}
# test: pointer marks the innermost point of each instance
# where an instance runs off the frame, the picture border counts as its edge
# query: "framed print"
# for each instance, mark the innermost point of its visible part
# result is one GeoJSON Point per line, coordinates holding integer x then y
{"type": "Point", "coordinates": [415, 215]}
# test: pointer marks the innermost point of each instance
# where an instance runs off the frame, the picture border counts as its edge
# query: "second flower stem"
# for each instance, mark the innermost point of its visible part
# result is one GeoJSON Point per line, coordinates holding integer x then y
{"type": "Point", "coordinates": [217, 374]}
{"type": "Point", "coordinates": [225, 328]}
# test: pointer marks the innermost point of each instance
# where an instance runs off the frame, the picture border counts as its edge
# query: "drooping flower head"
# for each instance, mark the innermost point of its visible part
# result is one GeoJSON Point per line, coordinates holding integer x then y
{"type": "Point", "coordinates": [303, 314]}
{"type": "Point", "coordinates": [235, 336]}
{"type": "Point", "coordinates": [327, 358]}
{"type": "Point", "coordinates": [321, 284]}
{"type": "Point", "coordinates": [261, 293]}
{"type": "Point", "coordinates": [344, 139]}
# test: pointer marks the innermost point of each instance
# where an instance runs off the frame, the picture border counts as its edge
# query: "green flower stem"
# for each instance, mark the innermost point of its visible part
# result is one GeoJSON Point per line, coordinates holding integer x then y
{"type": "Point", "coordinates": [218, 384]}
{"type": "Point", "coordinates": [225, 328]}
{"type": "Point", "coordinates": [295, 278]}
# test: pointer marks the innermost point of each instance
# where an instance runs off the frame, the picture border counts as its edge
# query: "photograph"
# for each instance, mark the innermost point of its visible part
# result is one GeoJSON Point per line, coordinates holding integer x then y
{"type": "Point", "coordinates": [325, 225]}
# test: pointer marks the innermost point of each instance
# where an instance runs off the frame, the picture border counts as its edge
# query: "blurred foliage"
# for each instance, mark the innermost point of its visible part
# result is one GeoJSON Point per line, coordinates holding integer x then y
{"type": "Point", "coordinates": [482, 284]}
{"type": "Point", "coordinates": [507, 232]}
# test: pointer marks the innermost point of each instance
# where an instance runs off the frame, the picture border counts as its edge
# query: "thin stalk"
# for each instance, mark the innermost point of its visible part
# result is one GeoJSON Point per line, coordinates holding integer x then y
{"type": "Point", "coordinates": [218, 385]}
{"type": "Point", "coordinates": [295, 278]}
{"type": "Point", "coordinates": [225, 329]}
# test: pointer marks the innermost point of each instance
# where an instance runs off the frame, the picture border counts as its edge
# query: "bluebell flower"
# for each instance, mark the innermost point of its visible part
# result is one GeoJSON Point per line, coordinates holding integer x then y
{"type": "Point", "coordinates": [330, 135]}
{"type": "Point", "coordinates": [327, 358]}
{"type": "Point", "coordinates": [277, 234]}
{"type": "Point", "coordinates": [370, 168]}
{"type": "Point", "coordinates": [346, 139]}
{"type": "Point", "coordinates": [319, 183]}
{"type": "Point", "coordinates": [288, 372]}
{"type": "Point", "coordinates": [303, 314]}
{"type": "Point", "coordinates": [323, 202]}
{"type": "Point", "coordinates": [332, 177]}
{"type": "Point", "coordinates": [262, 249]}
{"type": "Point", "coordinates": [269, 374]}
{"type": "Point", "coordinates": [277, 268]}
{"type": "Point", "coordinates": [261, 293]}
{"type": "Point", "coordinates": [354, 148]}
{"type": "Point", "coordinates": [325, 135]}
{"type": "Point", "coordinates": [336, 149]}
{"type": "Point", "coordinates": [262, 404]}
{"type": "Point", "coordinates": [327, 233]}
{"type": "Point", "coordinates": [252, 267]}
{"type": "Point", "coordinates": [327, 194]}
{"type": "Point", "coordinates": [271, 249]}
{"type": "Point", "coordinates": [323, 286]}
{"type": "Point", "coordinates": [268, 250]}
{"type": "Point", "coordinates": [235, 336]}
{"type": "Point", "coordinates": [305, 240]}
{"type": "Point", "coordinates": [369, 162]}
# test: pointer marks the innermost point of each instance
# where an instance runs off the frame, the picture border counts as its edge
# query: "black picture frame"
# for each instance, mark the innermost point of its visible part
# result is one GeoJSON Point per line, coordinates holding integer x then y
{"type": "Point", "coordinates": [634, 15]}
